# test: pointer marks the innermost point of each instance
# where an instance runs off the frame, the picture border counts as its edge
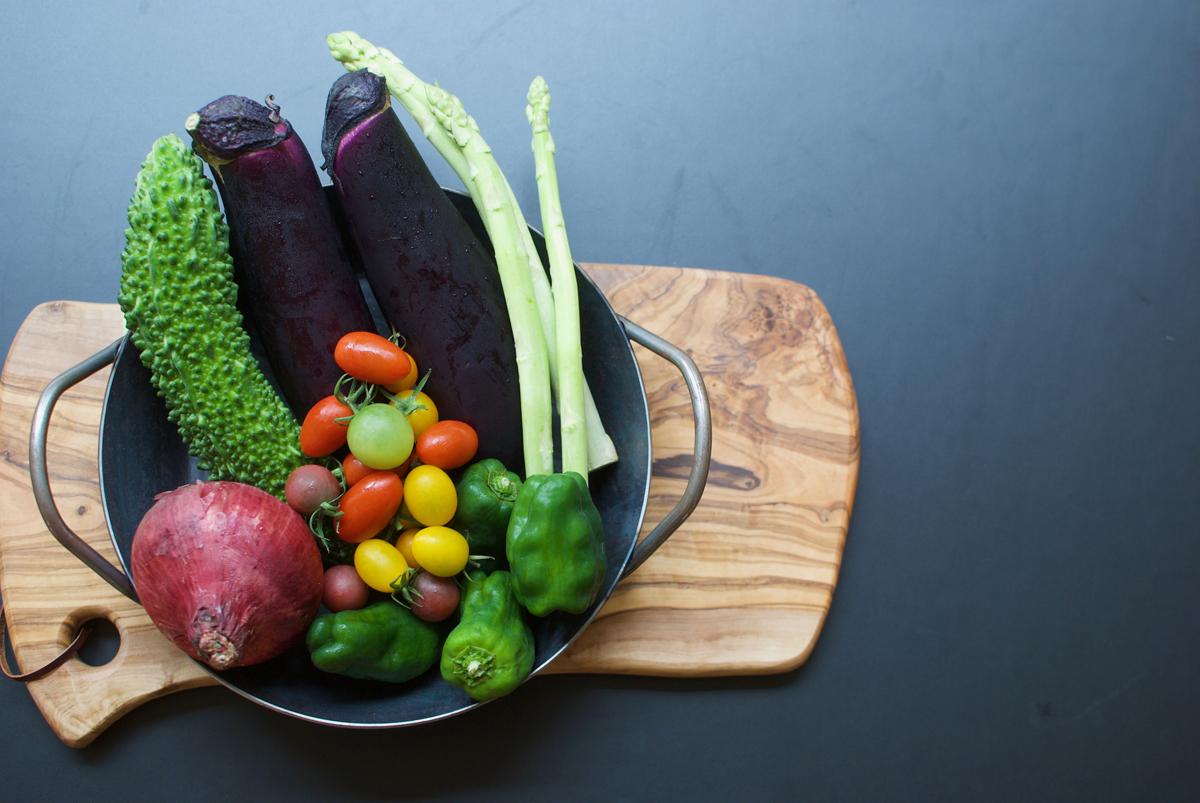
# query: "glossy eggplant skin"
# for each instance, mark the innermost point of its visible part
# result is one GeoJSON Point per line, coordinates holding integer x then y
{"type": "Point", "coordinates": [296, 282]}
{"type": "Point", "coordinates": [434, 281]}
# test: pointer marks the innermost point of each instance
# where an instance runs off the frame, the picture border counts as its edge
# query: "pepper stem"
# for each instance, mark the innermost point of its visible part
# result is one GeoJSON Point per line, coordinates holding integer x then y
{"type": "Point", "coordinates": [474, 665]}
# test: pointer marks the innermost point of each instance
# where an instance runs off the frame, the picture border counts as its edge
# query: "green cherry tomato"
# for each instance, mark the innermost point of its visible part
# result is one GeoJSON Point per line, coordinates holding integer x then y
{"type": "Point", "coordinates": [380, 436]}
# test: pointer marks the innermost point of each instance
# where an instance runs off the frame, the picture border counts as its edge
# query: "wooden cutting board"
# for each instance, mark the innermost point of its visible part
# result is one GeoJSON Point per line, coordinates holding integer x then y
{"type": "Point", "coordinates": [741, 588]}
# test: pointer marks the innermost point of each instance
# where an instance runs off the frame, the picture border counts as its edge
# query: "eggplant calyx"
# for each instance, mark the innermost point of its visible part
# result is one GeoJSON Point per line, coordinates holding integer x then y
{"type": "Point", "coordinates": [233, 126]}
{"type": "Point", "coordinates": [353, 99]}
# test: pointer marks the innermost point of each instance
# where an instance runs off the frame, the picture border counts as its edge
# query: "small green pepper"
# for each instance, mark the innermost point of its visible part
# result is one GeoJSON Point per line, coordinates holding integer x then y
{"type": "Point", "coordinates": [486, 493]}
{"type": "Point", "coordinates": [383, 641]}
{"type": "Point", "coordinates": [555, 545]}
{"type": "Point", "coordinates": [491, 650]}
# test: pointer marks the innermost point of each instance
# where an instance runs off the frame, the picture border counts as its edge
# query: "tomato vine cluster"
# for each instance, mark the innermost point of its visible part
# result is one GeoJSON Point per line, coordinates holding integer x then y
{"type": "Point", "coordinates": [381, 496]}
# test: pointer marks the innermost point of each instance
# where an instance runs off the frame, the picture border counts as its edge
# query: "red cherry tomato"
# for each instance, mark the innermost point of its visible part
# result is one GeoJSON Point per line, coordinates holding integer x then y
{"type": "Point", "coordinates": [320, 434]}
{"type": "Point", "coordinates": [353, 470]}
{"type": "Point", "coordinates": [368, 506]}
{"type": "Point", "coordinates": [370, 358]}
{"type": "Point", "coordinates": [447, 444]}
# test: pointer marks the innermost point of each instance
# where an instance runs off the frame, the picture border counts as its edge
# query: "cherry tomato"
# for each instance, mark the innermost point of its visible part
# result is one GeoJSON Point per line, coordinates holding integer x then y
{"type": "Point", "coordinates": [404, 544]}
{"type": "Point", "coordinates": [379, 564]}
{"type": "Point", "coordinates": [380, 436]}
{"type": "Point", "coordinates": [344, 590]}
{"type": "Point", "coordinates": [441, 551]}
{"type": "Point", "coordinates": [321, 434]}
{"type": "Point", "coordinates": [368, 506]}
{"type": "Point", "coordinates": [310, 486]}
{"type": "Point", "coordinates": [408, 381]}
{"type": "Point", "coordinates": [354, 470]}
{"type": "Point", "coordinates": [368, 357]}
{"type": "Point", "coordinates": [431, 498]}
{"type": "Point", "coordinates": [434, 598]}
{"type": "Point", "coordinates": [447, 444]}
{"type": "Point", "coordinates": [425, 416]}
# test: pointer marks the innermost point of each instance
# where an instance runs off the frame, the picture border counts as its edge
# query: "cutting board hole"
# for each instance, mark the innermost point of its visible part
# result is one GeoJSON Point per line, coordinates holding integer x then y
{"type": "Point", "coordinates": [102, 645]}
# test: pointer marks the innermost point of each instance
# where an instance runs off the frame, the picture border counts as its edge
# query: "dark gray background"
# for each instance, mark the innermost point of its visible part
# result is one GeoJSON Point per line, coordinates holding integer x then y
{"type": "Point", "coordinates": [998, 202]}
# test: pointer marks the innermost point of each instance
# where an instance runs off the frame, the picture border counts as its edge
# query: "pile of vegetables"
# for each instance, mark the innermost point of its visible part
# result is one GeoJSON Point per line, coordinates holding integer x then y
{"type": "Point", "coordinates": [405, 487]}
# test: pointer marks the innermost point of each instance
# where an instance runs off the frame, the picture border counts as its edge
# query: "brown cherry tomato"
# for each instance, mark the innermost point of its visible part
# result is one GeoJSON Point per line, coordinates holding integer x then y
{"type": "Point", "coordinates": [370, 358]}
{"type": "Point", "coordinates": [368, 506]}
{"type": "Point", "coordinates": [434, 598]}
{"type": "Point", "coordinates": [321, 434]}
{"type": "Point", "coordinates": [447, 444]}
{"type": "Point", "coordinates": [354, 470]}
{"type": "Point", "coordinates": [344, 590]}
{"type": "Point", "coordinates": [310, 486]}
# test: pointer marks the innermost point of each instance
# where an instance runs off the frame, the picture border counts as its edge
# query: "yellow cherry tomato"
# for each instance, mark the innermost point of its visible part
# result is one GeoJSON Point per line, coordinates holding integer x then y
{"type": "Point", "coordinates": [441, 551]}
{"type": "Point", "coordinates": [430, 496]}
{"type": "Point", "coordinates": [422, 418]}
{"type": "Point", "coordinates": [379, 564]}
{"type": "Point", "coordinates": [408, 381]}
{"type": "Point", "coordinates": [404, 544]}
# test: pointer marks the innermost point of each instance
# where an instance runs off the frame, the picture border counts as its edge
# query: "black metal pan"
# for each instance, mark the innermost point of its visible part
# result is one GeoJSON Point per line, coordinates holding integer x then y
{"type": "Point", "coordinates": [142, 455]}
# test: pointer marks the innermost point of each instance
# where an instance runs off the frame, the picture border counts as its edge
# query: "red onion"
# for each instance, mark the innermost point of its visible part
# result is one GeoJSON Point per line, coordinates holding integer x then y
{"type": "Point", "coordinates": [228, 572]}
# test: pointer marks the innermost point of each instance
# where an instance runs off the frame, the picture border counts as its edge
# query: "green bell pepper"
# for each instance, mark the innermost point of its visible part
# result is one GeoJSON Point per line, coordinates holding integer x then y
{"type": "Point", "coordinates": [486, 494]}
{"type": "Point", "coordinates": [491, 650]}
{"type": "Point", "coordinates": [383, 641]}
{"type": "Point", "coordinates": [555, 545]}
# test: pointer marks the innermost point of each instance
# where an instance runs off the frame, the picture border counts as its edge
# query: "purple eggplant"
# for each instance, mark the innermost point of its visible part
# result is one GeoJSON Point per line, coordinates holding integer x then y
{"type": "Point", "coordinates": [296, 283]}
{"type": "Point", "coordinates": [434, 281]}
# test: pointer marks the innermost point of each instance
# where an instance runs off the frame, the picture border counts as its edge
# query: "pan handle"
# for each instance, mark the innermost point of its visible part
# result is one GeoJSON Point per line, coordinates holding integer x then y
{"type": "Point", "coordinates": [41, 477]}
{"type": "Point", "coordinates": [701, 453]}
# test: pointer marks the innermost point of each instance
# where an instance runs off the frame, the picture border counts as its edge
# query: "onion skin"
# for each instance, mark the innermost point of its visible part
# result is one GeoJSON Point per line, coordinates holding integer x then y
{"type": "Point", "coordinates": [227, 572]}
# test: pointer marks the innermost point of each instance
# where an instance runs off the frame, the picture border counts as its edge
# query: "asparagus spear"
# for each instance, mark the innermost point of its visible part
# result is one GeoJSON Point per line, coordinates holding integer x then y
{"type": "Point", "coordinates": [533, 369]}
{"type": "Point", "coordinates": [566, 292]}
{"type": "Point", "coordinates": [356, 53]}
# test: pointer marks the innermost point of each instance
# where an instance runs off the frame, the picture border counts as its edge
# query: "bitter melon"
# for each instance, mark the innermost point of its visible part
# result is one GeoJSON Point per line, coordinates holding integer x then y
{"type": "Point", "coordinates": [179, 296]}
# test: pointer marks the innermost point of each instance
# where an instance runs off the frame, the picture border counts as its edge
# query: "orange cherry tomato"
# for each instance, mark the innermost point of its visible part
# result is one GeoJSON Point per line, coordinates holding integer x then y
{"type": "Point", "coordinates": [404, 543]}
{"type": "Point", "coordinates": [447, 444]}
{"type": "Point", "coordinates": [321, 434]}
{"type": "Point", "coordinates": [368, 506]}
{"type": "Point", "coordinates": [408, 381]}
{"type": "Point", "coordinates": [370, 358]}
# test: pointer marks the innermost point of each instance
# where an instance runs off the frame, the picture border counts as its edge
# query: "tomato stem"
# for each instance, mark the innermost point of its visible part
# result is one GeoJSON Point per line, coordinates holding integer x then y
{"type": "Point", "coordinates": [402, 585]}
{"type": "Point", "coordinates": [408, 403]}
{"type": "Point", "coordinates": [361, 394]}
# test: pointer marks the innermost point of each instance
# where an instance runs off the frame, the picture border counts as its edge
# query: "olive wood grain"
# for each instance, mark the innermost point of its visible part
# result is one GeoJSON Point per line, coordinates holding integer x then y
{"type": "Point", "coordinates": [742, 587]}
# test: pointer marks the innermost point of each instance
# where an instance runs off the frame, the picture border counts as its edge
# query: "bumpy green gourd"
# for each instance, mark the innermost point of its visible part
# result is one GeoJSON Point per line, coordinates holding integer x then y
{"type": "Point", "coordinates": [178, 296]}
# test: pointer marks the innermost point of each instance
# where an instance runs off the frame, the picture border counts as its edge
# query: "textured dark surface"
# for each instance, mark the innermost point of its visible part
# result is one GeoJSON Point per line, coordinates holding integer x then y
{"type": "Point", "coordinates": [998, 203]}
